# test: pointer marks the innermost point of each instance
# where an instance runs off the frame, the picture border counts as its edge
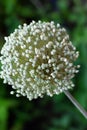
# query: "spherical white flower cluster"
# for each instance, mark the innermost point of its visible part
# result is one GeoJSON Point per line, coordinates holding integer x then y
{"type": "Point", "coordinates": [37, 59]}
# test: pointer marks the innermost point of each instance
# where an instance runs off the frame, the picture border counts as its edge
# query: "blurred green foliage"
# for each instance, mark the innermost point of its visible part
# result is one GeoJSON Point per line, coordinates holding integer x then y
{"type": "Point", "coordinates": [56, 113]}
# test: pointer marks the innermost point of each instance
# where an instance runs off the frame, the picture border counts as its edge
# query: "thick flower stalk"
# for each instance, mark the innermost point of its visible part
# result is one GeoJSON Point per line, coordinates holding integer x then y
{"type": "Point", "coordinates": [37, 59]}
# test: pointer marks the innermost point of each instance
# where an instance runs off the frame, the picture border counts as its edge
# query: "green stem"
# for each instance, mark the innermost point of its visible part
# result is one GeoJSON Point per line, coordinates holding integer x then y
{"type": "Point", "coordinates": [75, 102]}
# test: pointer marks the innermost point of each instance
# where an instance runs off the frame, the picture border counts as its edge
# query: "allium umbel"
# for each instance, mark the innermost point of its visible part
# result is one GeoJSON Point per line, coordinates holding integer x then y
{"type": "Point", "coordinates": [37, 59]}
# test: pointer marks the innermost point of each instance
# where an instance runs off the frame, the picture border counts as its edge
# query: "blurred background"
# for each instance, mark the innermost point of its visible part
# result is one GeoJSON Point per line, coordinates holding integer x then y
{"type": "Point", "coordinates": [56, 113]}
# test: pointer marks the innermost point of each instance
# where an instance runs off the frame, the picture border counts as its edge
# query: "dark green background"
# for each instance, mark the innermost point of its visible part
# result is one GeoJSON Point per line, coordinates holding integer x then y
{"type": "Point", "coordinates": [56, 113]}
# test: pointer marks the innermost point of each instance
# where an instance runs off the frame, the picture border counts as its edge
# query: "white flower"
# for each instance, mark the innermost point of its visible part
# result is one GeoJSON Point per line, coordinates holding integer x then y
{"type": "Point", "coordinates": [37, 59]}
